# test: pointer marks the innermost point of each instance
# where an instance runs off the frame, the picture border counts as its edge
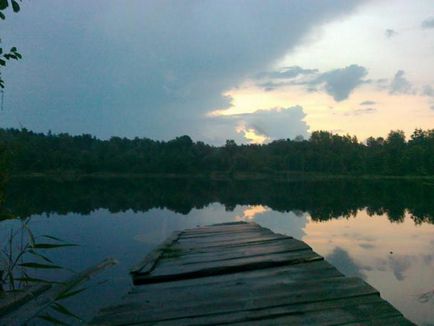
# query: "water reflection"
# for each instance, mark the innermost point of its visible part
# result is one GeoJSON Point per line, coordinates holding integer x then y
{"type": "Point", "coordinates": [380, 231]}
{"type": "Point", "coordinates": [322, 200]}
{"type": "Point", "coordinates": [396, 258]}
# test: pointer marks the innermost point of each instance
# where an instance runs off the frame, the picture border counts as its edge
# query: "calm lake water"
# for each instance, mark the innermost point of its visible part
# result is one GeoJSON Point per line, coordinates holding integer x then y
{"type": "Point", "coordinates": [380, 231]}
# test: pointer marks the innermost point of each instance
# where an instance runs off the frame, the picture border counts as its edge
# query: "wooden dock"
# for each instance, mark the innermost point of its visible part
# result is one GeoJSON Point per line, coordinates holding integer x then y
{"type": "Point", "coordinates": [243, 274]}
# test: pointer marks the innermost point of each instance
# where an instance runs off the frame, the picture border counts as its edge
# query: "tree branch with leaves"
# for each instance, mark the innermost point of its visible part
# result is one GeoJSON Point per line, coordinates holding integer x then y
{"type": "Point", "coordinates": [13, 53]}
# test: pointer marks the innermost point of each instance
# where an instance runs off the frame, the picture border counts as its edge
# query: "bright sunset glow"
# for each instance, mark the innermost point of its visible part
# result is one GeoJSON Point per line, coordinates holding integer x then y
{"type": "Point", "coordinates": [222, 70]}
{"type": "Point", "coordinates": [251, 212]}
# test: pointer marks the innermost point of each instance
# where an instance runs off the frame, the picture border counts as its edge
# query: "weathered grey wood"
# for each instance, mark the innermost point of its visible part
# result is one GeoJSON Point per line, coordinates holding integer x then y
{"type": "Point", "coordinates": [166, 272]}
{"type": "Point", "coordinates": [216, 231]}
{"type": "Point", "coordinates": [357, 308]}
{"type": "Point", "coordinates": [230, 241]}
{"type": "Point", "coordinates": [228, 299]}
{"type": "Point", "coordinates": [264, 248]}
{"type": "Point", "coordinates": [299, 272]}
{"type": "Point", "coordinates": [243, 274]}
{"type": "Point", "coordinates": [380, 321]}
{"type": "Point", "coordinates": [147, 264]}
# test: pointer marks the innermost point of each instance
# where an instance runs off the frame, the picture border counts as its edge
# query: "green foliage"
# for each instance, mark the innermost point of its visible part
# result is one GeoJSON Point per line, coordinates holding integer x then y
{"type": "Point", "coordinates": [13, 53]}
{"type": "Point", "coordinates": [23, 253]}
{"type": "Point", "coordinates": [324, 153]}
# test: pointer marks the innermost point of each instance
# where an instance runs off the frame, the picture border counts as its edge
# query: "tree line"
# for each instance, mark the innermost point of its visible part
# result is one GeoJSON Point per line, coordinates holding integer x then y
{"type": "Point", "coordinates": [323, 153]}
{"type": "Point", "coordinates": [322, 200]}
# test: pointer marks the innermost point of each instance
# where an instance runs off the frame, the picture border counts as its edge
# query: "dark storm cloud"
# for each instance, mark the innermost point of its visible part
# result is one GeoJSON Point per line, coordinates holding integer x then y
{"type": "Point", "coordinates": [428, 23]}
{"type": "Point", "coordinates": [145, 68]}
{"type": "Point", "coordinates": [400, 84]}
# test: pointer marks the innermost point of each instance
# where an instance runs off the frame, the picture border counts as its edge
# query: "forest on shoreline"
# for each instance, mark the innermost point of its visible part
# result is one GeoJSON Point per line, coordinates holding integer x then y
{"type": "Point", "coordinates": [26, 152]}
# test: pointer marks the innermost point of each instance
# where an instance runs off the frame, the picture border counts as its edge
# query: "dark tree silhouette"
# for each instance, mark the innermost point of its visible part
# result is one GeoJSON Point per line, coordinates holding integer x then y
{"type": "Point", "coordinates": [324, 153]}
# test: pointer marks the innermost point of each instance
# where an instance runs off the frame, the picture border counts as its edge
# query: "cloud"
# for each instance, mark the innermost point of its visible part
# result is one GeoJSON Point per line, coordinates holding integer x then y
{"type": "Point", "coordinates": [271, 86]}
{"type": "Point", "coordinates": [428, 23]}
{"type": "Point", "coordinates": [251, 134]}
{"type": "Point", "coordinates": [389, 33]}
{"type": "Point", "coordinates": [286, 73]}
{"type": "Point", "coordinates": [149, 68]}
{"type": "Point", "coordinates": [266, 125]}
{"type": "Point", "coordinates": [428, 90]}
{"type": "Point", "coordinates": [339, 83]}
{"type": "Point", "coordinates": [399, 265]}
{"type": "Point", "coordinates": [361, 111]}
{"type": "Point", "coordinates": [368, 102]}
{"type": "Point", "coordinates": [400, 85]}
{"type": "Point", "coordinates": [345, 263]}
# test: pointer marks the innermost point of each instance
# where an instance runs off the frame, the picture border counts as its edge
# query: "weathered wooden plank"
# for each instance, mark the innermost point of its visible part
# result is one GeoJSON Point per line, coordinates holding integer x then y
{"type": "Point", "coordinates": [249, 295]}
{"type": "Point", "coordinates": [219, 227]}
{"type": "Point", "coordinates": [230, 242]}
{"type": "Point", "coordinates": [228, 245]}
{"type": "Point", "coordinates": [382, 321]}
{"type": "Point", "coordinates": [198, 241]}
{"type": "Point", "coordinates": [169, 272]}
{"type": "Point", "coordinates": [352, 308]}
{"type": "Point", "coordinates": [334, 316]}
{"type": "Point", "coordinates": [217, 300]}
{"type": "Point", "coordinates": [242, 274]}
{"type": "Point", "coordinates": [147, 264]}
{"type": "Point", "coordinates": [314, 270]}
{"type": "Point", "coordinates": [215, 230]}
{"type": "Point", "coordinates": [189, 257]}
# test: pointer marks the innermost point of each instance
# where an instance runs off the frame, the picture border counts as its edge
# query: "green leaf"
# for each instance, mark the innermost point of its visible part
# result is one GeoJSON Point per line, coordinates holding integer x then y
{"type": "Point", "coordinates": [51, 319]}
{"type": "Point", "coordinates": [2, 16]}
{"type": "Point", "coordinates": [18, 55]}
{"type": "Point", "coordinates": [40, 266]}
{"type": "Point", "coordinates": [35, 280]}
{"type": "Point", "coordinates": [3, 4]}
{"type": "Point", "coordinates": [52, 245]}
{"type": "Point", "coordinates": [68, 294]}
{"type": "Point", "coordinates": [52, 238]}
{"type": "Point", "coordinates": [14, 49]}
{"type": "Point", "coordinates": [15, 6]}
{"type": "Point", "coordinates": [2, 62]}
{"type": "Point", "coordinates": [63, 310]}
{"type": "Point", "coordinates": [32, 252]}
{"type": "Point", "coordinates": [31, 237]}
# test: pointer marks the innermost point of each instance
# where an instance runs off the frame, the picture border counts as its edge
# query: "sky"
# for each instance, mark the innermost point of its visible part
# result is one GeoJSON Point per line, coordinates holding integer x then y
{"type": "Point", "coordinates": [253, 71]}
